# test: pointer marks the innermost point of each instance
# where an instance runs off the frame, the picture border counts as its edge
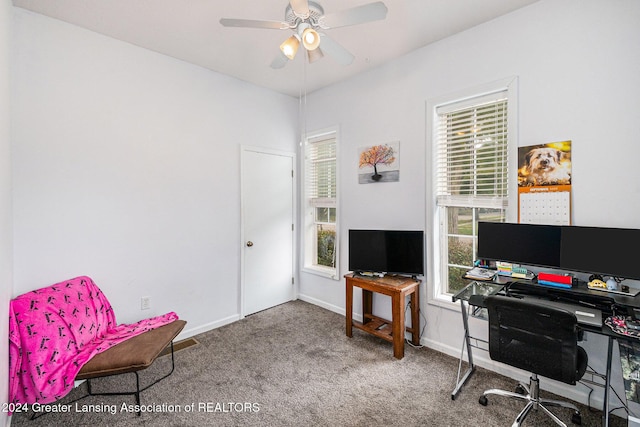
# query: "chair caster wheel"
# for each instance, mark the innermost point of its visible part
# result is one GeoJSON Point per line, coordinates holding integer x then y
{"type": "Point", "coordinates": [520, 390]}
{"type": "Point", "coordinates": [483, 400]}
{"type": "Point", "coordinates": [576, 418]}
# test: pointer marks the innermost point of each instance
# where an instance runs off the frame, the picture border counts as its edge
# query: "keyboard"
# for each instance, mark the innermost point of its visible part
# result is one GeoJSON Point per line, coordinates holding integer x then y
{"type": "Point", "coordinates": [585, 315]}
{"type": "Point", "coordinates": [588, 308]}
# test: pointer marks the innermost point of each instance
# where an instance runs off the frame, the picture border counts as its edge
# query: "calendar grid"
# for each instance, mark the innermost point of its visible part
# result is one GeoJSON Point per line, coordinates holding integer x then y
{"type": "Point", "coordinates": [552, 207]}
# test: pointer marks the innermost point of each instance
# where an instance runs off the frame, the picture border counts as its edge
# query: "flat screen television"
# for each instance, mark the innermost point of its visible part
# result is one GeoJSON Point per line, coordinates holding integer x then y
{"type": "Point", "coordinates": [386, 251]}
{"type": "Point", "coordinates": [529, 244]}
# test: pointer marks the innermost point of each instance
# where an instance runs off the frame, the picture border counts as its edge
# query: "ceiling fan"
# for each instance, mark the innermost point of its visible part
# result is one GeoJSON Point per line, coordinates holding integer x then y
{"type": "Point", "coordinates": [308, 21]}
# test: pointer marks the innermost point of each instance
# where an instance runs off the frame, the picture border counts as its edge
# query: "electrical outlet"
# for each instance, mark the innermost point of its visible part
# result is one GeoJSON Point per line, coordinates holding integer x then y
{"type": "Point", "coordinates": [145, 303]}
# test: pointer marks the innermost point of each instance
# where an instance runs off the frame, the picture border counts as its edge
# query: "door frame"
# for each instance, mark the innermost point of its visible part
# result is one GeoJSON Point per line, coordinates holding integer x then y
{"type": "Point", "coordinates": [262, 150]}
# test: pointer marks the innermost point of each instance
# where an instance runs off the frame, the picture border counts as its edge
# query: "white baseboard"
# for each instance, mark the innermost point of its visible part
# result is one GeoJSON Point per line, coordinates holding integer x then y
{"type": "Point", "coordinates": [323, 304]}
{"type": "Point", "coordinates": [188, 333]}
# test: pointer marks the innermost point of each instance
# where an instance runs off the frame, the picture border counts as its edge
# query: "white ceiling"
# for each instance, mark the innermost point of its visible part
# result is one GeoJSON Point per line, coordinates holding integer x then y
{"type": "Point", "coordinates": [190, 30]}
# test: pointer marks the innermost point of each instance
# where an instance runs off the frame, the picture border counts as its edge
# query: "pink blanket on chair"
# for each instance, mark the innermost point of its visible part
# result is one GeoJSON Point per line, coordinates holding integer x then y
{"type": "Point", "coordinates": [55, 330]}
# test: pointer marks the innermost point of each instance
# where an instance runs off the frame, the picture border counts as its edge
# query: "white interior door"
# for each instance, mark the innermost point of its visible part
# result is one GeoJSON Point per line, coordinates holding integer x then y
{"type": "Point", "coordinates": [267, 229]}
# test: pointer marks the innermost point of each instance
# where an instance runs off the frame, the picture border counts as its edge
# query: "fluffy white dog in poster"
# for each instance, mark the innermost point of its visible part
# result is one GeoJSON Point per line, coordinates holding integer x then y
{"type": "Point", "coordinates": [545, 166]}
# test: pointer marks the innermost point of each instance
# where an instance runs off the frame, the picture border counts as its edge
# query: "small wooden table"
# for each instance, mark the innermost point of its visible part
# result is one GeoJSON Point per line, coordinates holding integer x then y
{"type": "Point", "coordinates": [397, 287]}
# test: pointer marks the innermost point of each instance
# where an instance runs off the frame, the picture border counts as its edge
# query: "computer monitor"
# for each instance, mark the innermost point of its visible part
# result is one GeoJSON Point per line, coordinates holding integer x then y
{"type": "Point", "coordinates": [601, 250]}
{"type": "Point", "coordinates": [529, 244]}
{"type": "Point", "coordinates": [595, 250]}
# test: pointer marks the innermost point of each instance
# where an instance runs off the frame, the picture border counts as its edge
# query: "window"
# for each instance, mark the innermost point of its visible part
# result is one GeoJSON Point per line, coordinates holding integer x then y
{"type": "Point", "coordinates": [471, 152]}
{"type": "Point", "coordinates": [320, 204]}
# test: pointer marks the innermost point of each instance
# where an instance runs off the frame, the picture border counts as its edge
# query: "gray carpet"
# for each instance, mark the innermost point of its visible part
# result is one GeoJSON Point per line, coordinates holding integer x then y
{"type": "Point", "coordinates": [293, 365]}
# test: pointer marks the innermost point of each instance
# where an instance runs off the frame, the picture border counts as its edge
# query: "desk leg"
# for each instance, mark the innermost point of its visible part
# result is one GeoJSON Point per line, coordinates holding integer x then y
{"type": "Point", "coordinates": [607, 385]}
{"type": "Point", "coordinates": [397, 319]}
{"type": "Point", "coordinates": [349, 309]}
{"type": "Point", "coordinates": [467, 343]}
{"type": "Point", "coordinates": [415, 316]}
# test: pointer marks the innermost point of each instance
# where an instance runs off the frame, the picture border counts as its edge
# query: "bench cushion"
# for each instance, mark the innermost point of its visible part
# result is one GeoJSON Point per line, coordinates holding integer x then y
{"type": "Point", "coordinates": [134, 354]}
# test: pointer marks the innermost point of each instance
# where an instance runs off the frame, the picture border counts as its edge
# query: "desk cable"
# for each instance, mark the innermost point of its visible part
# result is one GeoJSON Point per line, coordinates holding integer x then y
{"type": "Point", "coordinates": [421, 332]}
{"type": "Point", "coordinates": [624, 406]}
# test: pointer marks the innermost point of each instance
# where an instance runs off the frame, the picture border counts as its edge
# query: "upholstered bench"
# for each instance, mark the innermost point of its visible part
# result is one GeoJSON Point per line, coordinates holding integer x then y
{"type": "Point", "coordinates": [68, 331]}
{"type": "Point", "coordinates": [132, 355]}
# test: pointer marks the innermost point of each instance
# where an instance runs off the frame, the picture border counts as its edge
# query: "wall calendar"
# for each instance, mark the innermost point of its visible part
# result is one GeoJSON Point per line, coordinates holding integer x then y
{"type": "Point", "coordinates": [544, 184]}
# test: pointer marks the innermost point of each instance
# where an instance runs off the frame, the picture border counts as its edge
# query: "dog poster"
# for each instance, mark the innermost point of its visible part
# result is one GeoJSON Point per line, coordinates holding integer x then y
{"type": "Point", "coordinates": [544, 183]}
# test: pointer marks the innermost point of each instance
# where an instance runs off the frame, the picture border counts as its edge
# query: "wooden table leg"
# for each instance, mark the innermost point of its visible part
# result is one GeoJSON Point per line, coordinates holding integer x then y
{"type": "Point", "coordinates": [415, 316]}
{"type": "Point", "coordinates": [397, 319]}
{"type": "Point", "coordinates": [349, 309]}
{"type": "Point", "coordinates": [367, 306]}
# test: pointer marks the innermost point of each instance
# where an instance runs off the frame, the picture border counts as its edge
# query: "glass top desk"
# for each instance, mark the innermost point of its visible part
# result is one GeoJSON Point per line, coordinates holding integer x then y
{"type": "Point", "coordinates": [474, 293]}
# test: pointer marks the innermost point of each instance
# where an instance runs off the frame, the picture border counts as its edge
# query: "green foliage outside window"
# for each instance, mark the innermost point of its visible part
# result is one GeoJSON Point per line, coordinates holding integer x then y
{"type": "Point", "coordinates": [326, 247]}
{"type": "Point", "coordinates": [459, 254]}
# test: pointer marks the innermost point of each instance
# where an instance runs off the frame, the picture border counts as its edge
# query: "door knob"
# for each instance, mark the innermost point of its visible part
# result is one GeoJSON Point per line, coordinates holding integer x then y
{"type": "Point", "coordinates": [249, 243]}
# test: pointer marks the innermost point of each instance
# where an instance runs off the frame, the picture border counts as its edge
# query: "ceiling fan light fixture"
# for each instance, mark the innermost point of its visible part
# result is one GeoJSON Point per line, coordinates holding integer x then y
{"type": "Point", "coordinates": [290, 46]}
{"type": "Point", "coordinates": [306, 18]}
{"type": "Point", "coordinates": [310, 39]}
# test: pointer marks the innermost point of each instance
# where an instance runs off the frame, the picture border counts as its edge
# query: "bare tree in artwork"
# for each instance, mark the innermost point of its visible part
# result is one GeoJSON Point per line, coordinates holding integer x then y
{"type": "Point", "coordinates": [377, 155]}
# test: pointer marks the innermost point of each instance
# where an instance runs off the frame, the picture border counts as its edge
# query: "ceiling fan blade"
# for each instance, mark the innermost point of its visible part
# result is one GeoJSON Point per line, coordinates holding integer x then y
{"type": "Point", "coordinates": [252, 23]}
{"type": "Point", "coordinates": [279, 61]}
{"type": "Point", "coordinates": [336, 51]}
{"type": "Point", "coordinates": [314, 55]}
{"type": "Point", "coordinates": [356, 15]}
{"type": "Point", "coordinates": [300, 8]}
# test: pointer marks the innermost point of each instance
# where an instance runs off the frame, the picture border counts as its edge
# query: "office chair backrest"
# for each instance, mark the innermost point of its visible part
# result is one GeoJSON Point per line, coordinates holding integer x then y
{"type": "Point", "coordinates": [536, 337]}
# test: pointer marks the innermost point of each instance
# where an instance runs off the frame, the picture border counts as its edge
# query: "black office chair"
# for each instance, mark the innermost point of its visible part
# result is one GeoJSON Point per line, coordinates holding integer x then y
{"type": "Point", "coordinates": [541, 339]}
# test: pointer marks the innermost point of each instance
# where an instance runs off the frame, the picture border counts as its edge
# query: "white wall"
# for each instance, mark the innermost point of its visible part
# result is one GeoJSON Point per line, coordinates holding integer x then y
{"type": "Point", "coordinates": [127, 169]}
{"type": "Point", "coordinates": [577, 63]}
{"type": "Point", "coordinates": [6, 264]}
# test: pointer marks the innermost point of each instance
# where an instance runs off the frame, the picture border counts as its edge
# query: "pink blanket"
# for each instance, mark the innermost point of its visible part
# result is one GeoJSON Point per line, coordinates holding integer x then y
{"type": "Point", "coordinates": [55, 330]}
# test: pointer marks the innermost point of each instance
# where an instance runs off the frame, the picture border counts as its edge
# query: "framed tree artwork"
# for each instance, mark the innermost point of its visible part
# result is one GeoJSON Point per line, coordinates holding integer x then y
{"type": "Point", "coordinates": [379, 163]}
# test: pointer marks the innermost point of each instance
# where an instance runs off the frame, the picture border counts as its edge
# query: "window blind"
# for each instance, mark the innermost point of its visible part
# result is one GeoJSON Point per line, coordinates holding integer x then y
{"type": "Point", "coordinates": [471, 153]}
{"type": "Point", "coordinates": [320, 160]}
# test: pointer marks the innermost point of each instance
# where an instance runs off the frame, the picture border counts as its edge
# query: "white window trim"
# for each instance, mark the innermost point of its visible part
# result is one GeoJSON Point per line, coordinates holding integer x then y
{"type": "Point", "coordinates": [435, 293]}
{"type": "Point", "coordinates": [323, 271]}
